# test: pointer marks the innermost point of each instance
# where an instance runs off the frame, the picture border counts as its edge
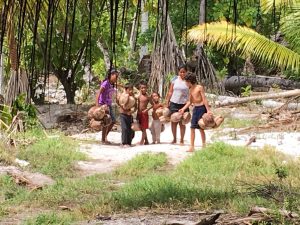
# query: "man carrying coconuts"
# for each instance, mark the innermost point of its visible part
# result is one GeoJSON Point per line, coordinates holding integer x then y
{"type": "Point", "coordinates": [198, 99]}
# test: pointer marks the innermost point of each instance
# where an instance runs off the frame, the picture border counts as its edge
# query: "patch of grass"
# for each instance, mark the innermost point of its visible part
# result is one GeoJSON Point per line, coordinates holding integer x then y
{"type": "Point", "coordinates": [50, 219]}
{"type": "Point", "coordinates": [53, 156]}
{"type": "Point", "coordinates": [142, 164]}
{"type": "Point", "coordinates": [210, 178]}
{"type": "Point", "coordinates": [7, 155]}
{"type": "Point", "coordinates": [240, 123]}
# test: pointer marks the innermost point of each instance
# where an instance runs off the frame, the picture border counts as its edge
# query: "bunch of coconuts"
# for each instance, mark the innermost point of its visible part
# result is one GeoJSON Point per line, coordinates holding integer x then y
{"type": "Point", "coordinates": [209, 121]}
{"type": "Point", "coordinates": [164, 116]}
{"type": "Point", "coordinates": [99, 117]}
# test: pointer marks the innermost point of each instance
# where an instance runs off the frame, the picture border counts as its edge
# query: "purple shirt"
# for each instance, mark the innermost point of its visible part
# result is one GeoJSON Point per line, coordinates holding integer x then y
{"type": "Point", "coordinates": [106, 97]}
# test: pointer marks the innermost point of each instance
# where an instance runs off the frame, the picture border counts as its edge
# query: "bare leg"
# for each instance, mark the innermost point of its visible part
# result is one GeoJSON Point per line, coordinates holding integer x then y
{"type": "Point", "coordinates": [174, 132]}
{"type": "Point", "coordinates": [192, 147]}
{"type": "Point", "coordinates": [203, 137]}
{"type": "Point", "coordinates": [104, 132]}
{"type": "Point", "coordinates": [108, 129]}
{"type": "Point", "coordinates": [182, 133]}
{"type": "Point", "coordinates": [146, 138]}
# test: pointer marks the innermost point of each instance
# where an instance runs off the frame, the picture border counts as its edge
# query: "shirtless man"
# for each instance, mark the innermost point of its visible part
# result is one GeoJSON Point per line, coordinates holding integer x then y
{"type": "Point", "coordinates": [142, 114]}
{"type": "Point", "coordinates": [198, 99]}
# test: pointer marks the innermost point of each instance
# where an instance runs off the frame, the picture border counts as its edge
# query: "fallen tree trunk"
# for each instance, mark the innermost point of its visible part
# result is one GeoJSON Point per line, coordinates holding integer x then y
{"type": "Point", "coordinates": [235, 101]}
{"type": "Point", "coordinates": [235, 83]}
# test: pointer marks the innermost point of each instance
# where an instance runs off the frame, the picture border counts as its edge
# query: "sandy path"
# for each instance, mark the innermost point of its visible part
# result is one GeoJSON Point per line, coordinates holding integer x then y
{"type": "Point", "coordinates": [105, 158]}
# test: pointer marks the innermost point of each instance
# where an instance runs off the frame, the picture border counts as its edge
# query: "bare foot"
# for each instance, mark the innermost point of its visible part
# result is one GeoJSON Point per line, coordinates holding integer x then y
{"type": "Point", "coordinates": [146, 143]}
{"type": "Point", "coordinates": [106, 142]}
{"type": "Point", "coordinates": [125, 146]}
{"type": "Point", "coordinates": [153, 142]}
{"type": "Point", "coordinates": [173, 142]}
{"type": "Point", "coordinates": [191, 149]}
{"type": "Point", "coordinates": [181, 143]}
{"type": "Point", "coordinates": [158, 142]}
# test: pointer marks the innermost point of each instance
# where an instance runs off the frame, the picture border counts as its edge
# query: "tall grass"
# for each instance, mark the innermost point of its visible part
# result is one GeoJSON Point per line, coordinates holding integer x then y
{"type": "Point", "coordinates": [53, 156]}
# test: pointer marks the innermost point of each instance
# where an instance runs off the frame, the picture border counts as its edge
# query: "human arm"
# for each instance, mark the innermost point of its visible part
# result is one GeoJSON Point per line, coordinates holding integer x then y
{"type": "Point", "coordinates": [205, 102]}
{"type": "Point", "coordinates": [98, 95]}
{"type": "Point", "coordinates": [186, 105]}
{"type": "Point", "coordinates": [170, 93]}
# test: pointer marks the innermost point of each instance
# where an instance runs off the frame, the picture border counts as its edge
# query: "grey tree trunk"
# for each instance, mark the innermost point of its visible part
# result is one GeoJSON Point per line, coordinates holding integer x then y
{"type": "Point", "coordinates": [202, 12]}
{"type": "Point", "coordinates": [133, 33]}
{"type": "Point", "coordinates": [144, 28]}
{"type": "Point", "coordinates": [1, 74]}
{"type": "Point", "coordinates": [105, 53]}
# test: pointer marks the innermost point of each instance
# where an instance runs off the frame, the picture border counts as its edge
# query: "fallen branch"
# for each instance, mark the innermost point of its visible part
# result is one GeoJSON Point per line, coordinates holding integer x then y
{"type": "Point", "coordinates": [235, 101]}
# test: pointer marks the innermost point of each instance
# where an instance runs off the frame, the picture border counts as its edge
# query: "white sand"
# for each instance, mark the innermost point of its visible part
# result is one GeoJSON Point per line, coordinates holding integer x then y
{"type": "Point", "coordinates": [105, 158]}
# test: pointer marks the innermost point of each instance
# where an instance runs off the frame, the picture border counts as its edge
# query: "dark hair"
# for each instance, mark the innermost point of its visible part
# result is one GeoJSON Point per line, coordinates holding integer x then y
{"type": "Point", "coordinates": [182, 67]}
{"type": "Point", "coordinates": [143, 83]}
{"type": "Point", "coordinates": [155, 92]}
{"type": "Point", "coordinates": [191, 77]}
{"type": "Point", "coordinates": [128, 86]}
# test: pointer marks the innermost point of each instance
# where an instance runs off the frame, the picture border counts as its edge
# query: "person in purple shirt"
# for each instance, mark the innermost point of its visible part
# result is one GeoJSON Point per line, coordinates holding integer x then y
{"type": "Point", "coordinates": [104, 97]}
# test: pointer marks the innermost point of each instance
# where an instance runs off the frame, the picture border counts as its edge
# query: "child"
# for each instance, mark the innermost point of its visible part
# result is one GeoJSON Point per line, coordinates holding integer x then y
{"type": "Point", "coordinates": [126, 120]}
{"type": "Point", "coordinates": [198, 99]}
{"type": "Point", "coordinates": [142, 114]}
{"type": "Point", "coordinates": [156, 124]}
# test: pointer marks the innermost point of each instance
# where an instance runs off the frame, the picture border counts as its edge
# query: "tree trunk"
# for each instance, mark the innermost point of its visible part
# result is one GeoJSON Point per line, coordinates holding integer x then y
{"type": "Point", "coordinates": [1, 74]}
{"type": "Point", "coordinates": [133, 33]}
{"type": "Point", "coordinates": [105, 53]}
{"type": "Point", "coordinates": [144, 28]}
{"type": "Point", "coordinates": [204, 70]}
{"type": "Point", "coordinates": [166, 56]}
{"type": "Point", "coordinates": [235, 83]}
{"type": "Point", "coordinates": [235, 101]}
{"type": "Point", "coordinates": [69, 85]}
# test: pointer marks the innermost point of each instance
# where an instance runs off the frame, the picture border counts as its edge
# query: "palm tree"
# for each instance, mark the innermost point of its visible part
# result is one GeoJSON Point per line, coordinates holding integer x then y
{"type": "Point", "coordinates": [246, 42]}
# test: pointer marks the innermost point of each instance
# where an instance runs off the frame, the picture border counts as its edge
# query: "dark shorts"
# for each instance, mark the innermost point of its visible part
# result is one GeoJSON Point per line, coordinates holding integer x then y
{"type": "Point", "coordinates": [198, 112]}
{"type": "Point", "coordinates": [174, 107]}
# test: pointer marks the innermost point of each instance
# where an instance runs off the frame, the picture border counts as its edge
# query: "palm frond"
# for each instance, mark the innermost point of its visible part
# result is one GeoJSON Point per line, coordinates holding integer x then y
{"type": "Point", "coordinates": [290, 27]}
{"type": "Point", "coordinates": [245, 42]}
{"type": "Point", "coordinates": [268, 5]}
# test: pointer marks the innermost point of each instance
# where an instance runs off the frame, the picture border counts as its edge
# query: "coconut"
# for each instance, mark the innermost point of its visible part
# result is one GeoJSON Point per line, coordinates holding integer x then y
{"type": "Point", "coordinates": [176, 117]}
{"type": "Point", "coordinates": [91, 112]}
{"type": "Point", "coordinates": [159, 111]}
{"type": "Point", "coordinates": [208, 120]}
{"type": "Point", "coordinates": [99, 113]}
{"type": "Point", "coordinates": [96, 125]}
{"type": "Point", "coordinates": [164, 119]}
{"type": "Point", "coordinates": [166, 112]}
{"type": "Point", "coordinates": [218, 121]}
{"type": "Point", "coordinates": [123, 99]}
{"type": "Point", "coordinates": [186, 118]}
{"type": "Point", "coordinates": [130, 103]}
{"type": "Point", "coordinates": [163, 127]}
{"type": "Point", "coordinates": [135, 126]}
{"type": "Point", "coordinates": [202, 124]}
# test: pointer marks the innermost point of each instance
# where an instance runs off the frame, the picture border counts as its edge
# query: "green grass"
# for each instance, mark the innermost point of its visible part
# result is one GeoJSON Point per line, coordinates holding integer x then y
{"type": "Point", "coordinates": [211, 179]}
{"type": "Point", "coordinates": [53, 156]}
{"type": "Point", "coordinates": [240, 123]}
{"type": "Point", "coordinates": [142, 165]}
{"type": "Point", "coordinates": [7, 155]}
{"type": "Point", "coordinates": [50, 219]}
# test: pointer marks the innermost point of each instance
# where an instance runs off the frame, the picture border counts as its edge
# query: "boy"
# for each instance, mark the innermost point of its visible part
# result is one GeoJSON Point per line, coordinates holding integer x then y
{"type": "Point", "coordinates": [198, 99]}
{"type": "Point", "coordinates": [142, 114]}
{"type": "Point", "coordinates": [156, 124]}
{"type": "Point", "coordinates": [126, 120]}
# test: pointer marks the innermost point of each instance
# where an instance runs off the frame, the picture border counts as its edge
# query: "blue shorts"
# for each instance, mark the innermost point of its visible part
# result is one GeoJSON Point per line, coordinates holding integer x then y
{"type": "Point", "coordinates": [198, 112]}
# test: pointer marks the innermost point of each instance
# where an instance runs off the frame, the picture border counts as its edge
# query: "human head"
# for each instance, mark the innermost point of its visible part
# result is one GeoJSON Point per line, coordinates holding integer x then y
{"type": "Point", "coordinates": [182, 71]}
{"type": "Point", "coordinates": [143, 87]}
{"type": "Point", "coordinates": [155, 97]}
{"type": "Point", "coordinates": [129, 89]}
{"type": "Point", "coordinates": [190, 79]}
{"type": "Point", "coordinates": [112, 76]}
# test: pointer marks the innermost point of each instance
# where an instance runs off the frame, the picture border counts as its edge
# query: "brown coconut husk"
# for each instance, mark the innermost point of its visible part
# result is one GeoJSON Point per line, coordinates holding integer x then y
{"type": "Point", "coordinates": [176, 117]}
{"type": "Point", "coordinates": [208, 120]}
{"type": "Point", "coordinates": [164, 119]}
{"type": "Point", "coordinates": [96, 125]}
{"type": "Point", "coordinates": [159, 111]}
{"type": "Point", "coordinates": [135, 126]}
{"type": "Point", "coordinates": [91, 112]}
{"type": "Point", "coordinates": [186, 118]}
{"type": "Point", "coordinates": [218, 121]}
{"type": "Point", "coordinates": [166, 112]}
{"type": "Point", "coordinates": [98, 113]}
